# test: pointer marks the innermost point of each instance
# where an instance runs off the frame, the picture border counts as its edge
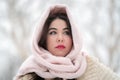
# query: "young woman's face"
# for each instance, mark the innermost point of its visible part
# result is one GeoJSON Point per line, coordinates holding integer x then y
{"type": "Point", "coordinates": [59, 40]}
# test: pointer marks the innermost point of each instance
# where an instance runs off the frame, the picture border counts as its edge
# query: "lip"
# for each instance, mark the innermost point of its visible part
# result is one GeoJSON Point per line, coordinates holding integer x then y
{"type": "Point", "coordinates": [60, 47]}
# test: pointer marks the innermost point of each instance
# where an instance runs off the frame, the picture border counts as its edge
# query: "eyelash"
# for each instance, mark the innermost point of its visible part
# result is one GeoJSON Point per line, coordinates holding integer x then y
{"type": "Point", "coordinates": [54, 32]}
{"type": "Point", "coordinates": [67, 32]}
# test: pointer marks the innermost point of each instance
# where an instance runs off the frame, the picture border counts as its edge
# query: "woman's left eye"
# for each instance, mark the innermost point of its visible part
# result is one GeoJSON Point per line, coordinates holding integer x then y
{"type": "Point", "coordinates": [67, 33]}
{"type": "Point", "coordinates": [52, 33]}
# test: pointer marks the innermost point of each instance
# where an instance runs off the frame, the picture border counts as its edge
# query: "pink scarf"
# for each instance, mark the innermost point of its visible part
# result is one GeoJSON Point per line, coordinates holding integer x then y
{"type": "Point", "coordinates": [46, 65]}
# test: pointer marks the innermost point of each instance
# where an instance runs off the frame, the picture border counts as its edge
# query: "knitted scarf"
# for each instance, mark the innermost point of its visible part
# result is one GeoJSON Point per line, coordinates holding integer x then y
{"type": "Point", "coordinates": [46, 65]}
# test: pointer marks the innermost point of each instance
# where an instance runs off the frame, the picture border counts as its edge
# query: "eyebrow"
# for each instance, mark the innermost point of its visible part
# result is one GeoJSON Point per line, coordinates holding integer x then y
{"type": "Point", "coordinates": [52, 29]}
{"type": "Point", "coordinates": [66, 28]}
{"type": "Point", "coordinates": [56, 29]}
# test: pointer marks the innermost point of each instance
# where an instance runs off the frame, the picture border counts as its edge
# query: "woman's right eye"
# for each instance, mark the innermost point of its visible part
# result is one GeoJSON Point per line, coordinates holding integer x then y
{"type": "Point", "coordinates": [52, 32]}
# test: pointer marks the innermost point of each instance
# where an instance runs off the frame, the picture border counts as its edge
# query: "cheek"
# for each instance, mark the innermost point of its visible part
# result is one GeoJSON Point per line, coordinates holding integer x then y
{"type": "Point", "coordinates": [69, 42]}
{"type": "Point", "coordinates": [50, 41]}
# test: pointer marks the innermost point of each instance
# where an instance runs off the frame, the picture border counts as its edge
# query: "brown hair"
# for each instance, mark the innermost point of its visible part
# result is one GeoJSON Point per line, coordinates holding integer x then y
{"type": "Point", "coordinates": [52, 16]}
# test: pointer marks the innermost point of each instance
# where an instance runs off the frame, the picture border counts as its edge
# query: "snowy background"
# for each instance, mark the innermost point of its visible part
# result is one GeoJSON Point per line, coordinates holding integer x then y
{"type": "Point", "coordinates": [98, 21]}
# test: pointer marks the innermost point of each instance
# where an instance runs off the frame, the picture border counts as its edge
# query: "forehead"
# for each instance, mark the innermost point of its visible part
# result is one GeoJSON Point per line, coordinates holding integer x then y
{"type": "Point", "coordinates": [58, 23]}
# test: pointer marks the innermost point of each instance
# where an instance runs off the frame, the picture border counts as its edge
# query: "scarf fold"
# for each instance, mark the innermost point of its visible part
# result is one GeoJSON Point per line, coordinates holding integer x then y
{"type": "Point", "coordinates": [46, 65]}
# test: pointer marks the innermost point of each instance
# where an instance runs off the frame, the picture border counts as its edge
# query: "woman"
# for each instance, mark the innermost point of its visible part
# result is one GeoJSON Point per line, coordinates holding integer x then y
{"type": "Point", "coordinates": [57, 52]}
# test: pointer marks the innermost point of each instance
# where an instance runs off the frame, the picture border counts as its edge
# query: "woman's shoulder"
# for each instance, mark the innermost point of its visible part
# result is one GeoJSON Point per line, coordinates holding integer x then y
{"type": "Point", "coordinates": [94, 61]}
{"type": "Point", "coordinates": [96, 69]}
{"type": "Point", "coordinates": [91, 59]}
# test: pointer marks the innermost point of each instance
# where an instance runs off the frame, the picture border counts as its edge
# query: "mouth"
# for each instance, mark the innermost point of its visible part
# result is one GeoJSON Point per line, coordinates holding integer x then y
{"type": "Point", "coordinates": [60, 47]}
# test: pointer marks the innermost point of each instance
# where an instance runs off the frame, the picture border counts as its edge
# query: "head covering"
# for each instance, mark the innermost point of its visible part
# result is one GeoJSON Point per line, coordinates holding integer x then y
{"type": "Point", "coordinates": [46, 65]}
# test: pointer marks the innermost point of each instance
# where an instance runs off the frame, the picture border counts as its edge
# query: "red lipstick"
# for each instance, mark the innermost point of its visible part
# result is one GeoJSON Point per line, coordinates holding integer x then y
{"type": "Point", "coordinates": [60, 46]}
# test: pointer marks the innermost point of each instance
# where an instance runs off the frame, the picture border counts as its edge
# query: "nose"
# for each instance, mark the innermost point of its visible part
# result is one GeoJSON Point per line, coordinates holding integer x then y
{"type": "Point", "coordinates": [60, 38]}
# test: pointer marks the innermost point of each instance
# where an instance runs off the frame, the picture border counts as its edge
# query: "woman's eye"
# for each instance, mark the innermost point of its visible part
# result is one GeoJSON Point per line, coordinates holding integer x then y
{"type": "Point", "coordinates": [67, 33]}
{"type": "Point", "coordinates": [52, 33]}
